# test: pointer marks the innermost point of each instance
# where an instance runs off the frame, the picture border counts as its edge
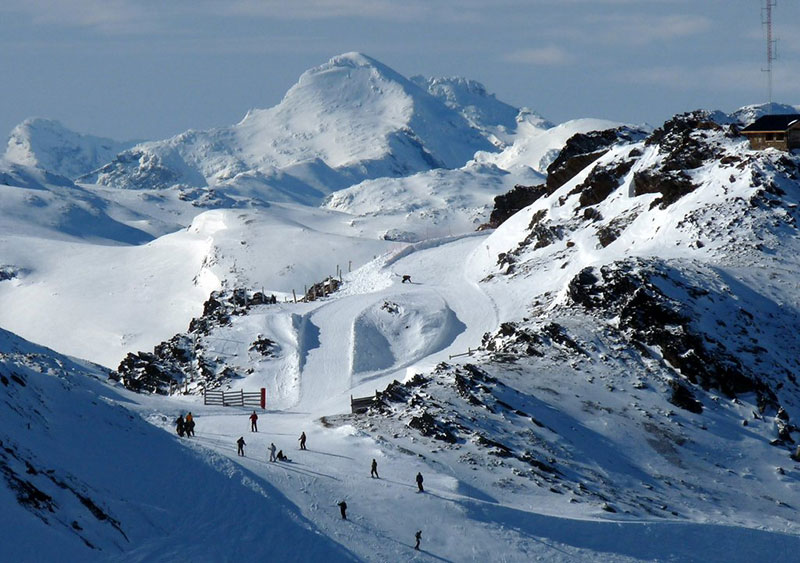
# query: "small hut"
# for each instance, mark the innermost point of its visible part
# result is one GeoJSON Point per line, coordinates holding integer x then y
{"type": "Point", "coordinates": [777, 131]}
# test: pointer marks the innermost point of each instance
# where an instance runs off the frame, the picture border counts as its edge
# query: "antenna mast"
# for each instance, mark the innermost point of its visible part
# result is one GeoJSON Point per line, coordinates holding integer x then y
{"type": "Point", "coordinates": [766, 19]}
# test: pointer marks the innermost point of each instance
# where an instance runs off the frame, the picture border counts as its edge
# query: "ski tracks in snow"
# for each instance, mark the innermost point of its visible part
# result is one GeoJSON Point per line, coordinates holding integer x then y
{"type": "Point", "coordinates": [437, 314]}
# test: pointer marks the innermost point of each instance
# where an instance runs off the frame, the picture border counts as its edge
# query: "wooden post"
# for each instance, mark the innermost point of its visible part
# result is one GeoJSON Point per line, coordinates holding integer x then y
{"type": "Point", "coordinates": [241, 396]}
{"type": "Point", "coordinates": [349, 265]}
{"type": "Point", "coordinates": [263, 398]}
{"type": "Point", "coordinates": [294, 295]}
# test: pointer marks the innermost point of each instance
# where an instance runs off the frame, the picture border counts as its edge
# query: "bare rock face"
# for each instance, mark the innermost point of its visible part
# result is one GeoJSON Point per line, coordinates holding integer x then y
{"type": "Point", "coordinates": [686, 142]}
{"type": "Point", "coordinates": [633, 293]}
{"type": "Point", "coordinates": [505, 205]}
{"type": "Point", "coordinates": [182, 361]}
{"type": "Point", "coordinates": [584, 148]}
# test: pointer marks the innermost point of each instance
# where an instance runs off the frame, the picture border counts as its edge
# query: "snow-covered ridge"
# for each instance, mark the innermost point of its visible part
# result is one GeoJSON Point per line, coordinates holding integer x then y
{"type": "Point", "coordinates": [47, 144]}
{"type": "Point", "coordinates": [350, 119]}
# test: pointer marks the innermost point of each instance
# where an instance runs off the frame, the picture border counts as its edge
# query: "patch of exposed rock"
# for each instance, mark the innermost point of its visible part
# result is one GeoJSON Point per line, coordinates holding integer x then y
{"type": "Point", "coordinates": [182, 362]}
{"type": "Point", "coordinates": [582, 149]}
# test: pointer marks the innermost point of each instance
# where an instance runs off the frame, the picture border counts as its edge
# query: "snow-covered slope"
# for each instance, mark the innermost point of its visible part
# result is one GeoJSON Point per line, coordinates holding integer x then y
{"type": "Point", "coordinates": [41, 204]}
{"type": "Point", "coordinates": [83, 478]}
{"type": "Point", "coordinates": [609, 375]}
{"type": "Point", "coordinates": [350, 119]}
{"type": "Point", "coordinates": [629, 371]}
{"type": "Point", "coordinates": [427, 205]}
{"type": "Point", "coordinates": [481, 109]}
{"type": "Point", "coordinates": [132, 297]}
{"type": "Point", "coordinates": [46, 144]}
{"type": "Point", "coordinates": [536, 145]}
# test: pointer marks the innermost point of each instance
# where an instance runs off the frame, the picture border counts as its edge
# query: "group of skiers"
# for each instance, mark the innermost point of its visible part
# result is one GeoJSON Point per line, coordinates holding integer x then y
{"type": "Point", "coordinates": [280, 456]}
{"type": "Point", "coordinates": [185, 425]}
{"type": "Point", "coordinates": [374, 474]}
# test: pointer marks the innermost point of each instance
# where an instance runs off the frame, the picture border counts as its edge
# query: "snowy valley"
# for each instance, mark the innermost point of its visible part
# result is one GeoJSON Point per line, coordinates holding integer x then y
{"type": "Point", "coordinates": [582, 334]}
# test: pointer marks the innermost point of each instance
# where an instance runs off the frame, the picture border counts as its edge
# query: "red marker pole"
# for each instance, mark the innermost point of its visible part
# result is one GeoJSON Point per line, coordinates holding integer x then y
{"type": "Point", "coordinates": [263, 398]}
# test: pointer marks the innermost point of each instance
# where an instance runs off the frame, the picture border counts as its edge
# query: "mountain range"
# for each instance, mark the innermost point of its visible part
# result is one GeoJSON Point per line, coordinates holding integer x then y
{"type": "Point", "coordinates": [581, 334]}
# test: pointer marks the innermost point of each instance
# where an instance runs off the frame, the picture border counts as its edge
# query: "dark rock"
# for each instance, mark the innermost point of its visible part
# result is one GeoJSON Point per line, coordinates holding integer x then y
{"type": "Point", "coordinates": [507, 204]}
{"type": "Point", "coordinates": [681, 397]}
{"type": "Point", "coordinates": [601, 182]}
{"type": "Point", "coordinates": [582, 149]}
{"type": "Point", "coordinates": [672, 185]}
{"type": "Point", "coordinates": [429, 426]}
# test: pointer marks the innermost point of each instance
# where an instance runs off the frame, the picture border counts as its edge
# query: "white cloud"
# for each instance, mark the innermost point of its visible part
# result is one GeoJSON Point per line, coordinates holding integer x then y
{"type": "Point", "coordinates": [110, 16]}
{"type": "Point", "coordinates": [732, 76]}
{"type": "Point", "coordinates": [639, 29]}
{"type": "Point", "coordinates": [327, 9]}
{"type": "Point", "coordinates": [541, 56]}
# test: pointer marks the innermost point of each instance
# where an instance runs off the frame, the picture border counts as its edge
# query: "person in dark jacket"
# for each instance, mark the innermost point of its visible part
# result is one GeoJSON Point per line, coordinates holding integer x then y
{"type": "Point", "coordinates": [419, 482]}
{"type": "Point", "coordinates": [282, 456]}
{"type": "Point", "coordinates": [374, 472]}
{"type": "Point", "coordinates": [180, 426]}
{"type": "Point", "coordinates": [302, 439]}
{"type": "Point", "coordinates": [343, 509]}
{"type": "Point", "coordinates": [188, 425]}
{"type": "Point", "coordinates": [417, 536]}
{"type": "Point", "coordinates": [254, 422]}
{"type": "Point", "coordinates": [240, 442]}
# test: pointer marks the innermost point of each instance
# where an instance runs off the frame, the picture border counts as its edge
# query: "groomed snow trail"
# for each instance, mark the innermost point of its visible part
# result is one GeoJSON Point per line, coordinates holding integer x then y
{"type": "Point", "coordinates": [459, 520]}
{"type": "Point", "coordinates": [443, 311]}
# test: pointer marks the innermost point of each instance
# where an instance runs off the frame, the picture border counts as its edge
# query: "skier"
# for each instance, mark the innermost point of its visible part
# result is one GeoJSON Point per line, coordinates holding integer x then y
{"type": "Point", "coordinates": [180, 426]}
{"type": "Point", "coordinates": [343, 509]}
{"type": "Point", "coordinates": [271, 449]}
{"type": "Point", "coordinates": [417, 536]}
{"type": "Point", "coordinates": [302, 439]}
{"type": "Point", "coordinates": [419, 483]}
{"type": "Point", "coordinates": [254, 422]}
{"type": "Point", "coordinates": [374, 471]}
{"type": "Point", "coordinates": [188, 425]}
{"type": "Point", "coordinates": [281, 457]}
{"type": "Point", "coordinates": [241, 444]}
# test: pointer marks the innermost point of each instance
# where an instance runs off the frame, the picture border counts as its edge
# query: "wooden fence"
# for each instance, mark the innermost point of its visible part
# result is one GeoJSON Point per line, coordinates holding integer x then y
{"type": "Point", "coordinates": [238, 398]}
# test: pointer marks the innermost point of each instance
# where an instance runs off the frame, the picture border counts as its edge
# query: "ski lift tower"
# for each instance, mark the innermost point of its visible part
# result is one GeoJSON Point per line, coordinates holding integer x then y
{"type": "Point", "coordinates": [772, 54]}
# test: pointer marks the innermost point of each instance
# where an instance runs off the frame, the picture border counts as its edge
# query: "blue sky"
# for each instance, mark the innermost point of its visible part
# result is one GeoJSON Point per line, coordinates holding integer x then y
{"type": "Point", "coordinates": [149, 69]}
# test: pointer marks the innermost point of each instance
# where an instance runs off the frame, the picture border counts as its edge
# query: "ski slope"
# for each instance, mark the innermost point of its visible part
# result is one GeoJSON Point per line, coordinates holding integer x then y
{"type": "Point", "coordinates": [353, 344]}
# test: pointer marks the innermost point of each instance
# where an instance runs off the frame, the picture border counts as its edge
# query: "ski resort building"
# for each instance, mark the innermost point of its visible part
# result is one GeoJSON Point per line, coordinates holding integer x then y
{"type": "Point", "coordinates": [777, 131]}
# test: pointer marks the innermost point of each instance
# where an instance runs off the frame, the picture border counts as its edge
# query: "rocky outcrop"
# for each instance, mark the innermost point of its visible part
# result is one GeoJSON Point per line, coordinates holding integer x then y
{"type": "Point", "coordinates": [633, 294]}
{"type": "Point", "coordinates": [181, 363]}
{"type": "Point", "coordinates": [507, 204]}
{"type": "Point", "coordinates": [685, 142]}
{"type": "Point", "coordinates": [584, 148]}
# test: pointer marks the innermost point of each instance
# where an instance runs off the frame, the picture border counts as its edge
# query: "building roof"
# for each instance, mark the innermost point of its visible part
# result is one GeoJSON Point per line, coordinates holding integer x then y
{"type": "Point", "coordinates": [773, 123]}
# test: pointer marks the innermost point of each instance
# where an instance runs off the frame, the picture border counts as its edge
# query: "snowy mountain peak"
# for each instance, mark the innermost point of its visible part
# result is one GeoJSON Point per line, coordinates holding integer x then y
{"type": "Point", "coordinates": [748, 114]}
{"type": "Point", "coordinates": [47, 144]}
{"type": "Point", "coordinates": [480, 108]}
{"type": "Point", "coordinates": [355, 59]}
{"type": "Point", "coordinates": [350, 119]}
